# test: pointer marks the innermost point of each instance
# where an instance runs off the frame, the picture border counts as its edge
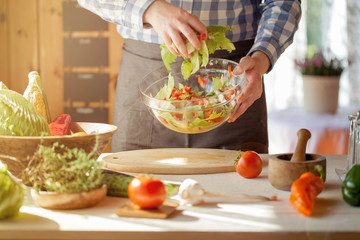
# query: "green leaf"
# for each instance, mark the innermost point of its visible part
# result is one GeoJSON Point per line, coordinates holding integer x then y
{"type": "Point", "coordinates": [165, 92]}
{"type": "Point", "coordinates": [215, 115]}
{"type": "Point", "coordinates": [167, 56]}
{"type": "Point", "coordinates": [211, 45]}
{"type": "Point", "coordinates": [11, 194]}
{"type": "Point", "coordinates": [204, 53]}
{"type": "Point", "coordinates": [3, 86]}
{"type": "Point", "coordinates": [216, 41]}
{"type": "Point", "coordinates": [217, 83]}
{"type": "Point", "coordinates": [186, 69]}
{"type": "Point", "coordinates": [19, 117]}
{"type": "Point", "coordinates": [212, 93]}
{"type": "Point", "coordinates": [195, 62]}
{"type": "Point", "coordinates": [172, 121]}
{"type": "Point", "coordinates": [218, 34]}
{"type": "Point", "coordinates": [190, 48]}
{"type": "Point", "coordinates": [61, 169]}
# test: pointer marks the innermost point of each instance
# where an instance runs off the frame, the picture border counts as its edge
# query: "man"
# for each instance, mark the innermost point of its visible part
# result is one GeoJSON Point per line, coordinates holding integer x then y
{"type": "Point", "coordinates": [261, 33]}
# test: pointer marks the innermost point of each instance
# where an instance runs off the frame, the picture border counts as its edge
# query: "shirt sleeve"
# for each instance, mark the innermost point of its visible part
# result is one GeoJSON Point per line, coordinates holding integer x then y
{"type": "Point", "coordinates": [125, 13]}
{"type": "Point", "coordinates": [278, 24]}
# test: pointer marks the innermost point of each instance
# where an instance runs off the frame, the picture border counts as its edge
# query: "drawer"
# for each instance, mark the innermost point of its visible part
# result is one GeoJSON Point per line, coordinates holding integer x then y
{"type": "Point", "coordinates": [87, 87]}
{"type": "Point", "coordinates": [76, 18]}
{"type": "Point", "coordinates": [85, 52]}
{"type": "Point", "coordinates": [88, 114]}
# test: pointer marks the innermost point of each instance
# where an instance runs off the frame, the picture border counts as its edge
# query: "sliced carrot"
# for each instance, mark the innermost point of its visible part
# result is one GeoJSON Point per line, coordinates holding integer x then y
{"type": "Point", "coordinates": [230, 73]}
{"type": "Point", "coordinates": [229, 94]}
{"type": "Point", "coordinates": [202, 81]}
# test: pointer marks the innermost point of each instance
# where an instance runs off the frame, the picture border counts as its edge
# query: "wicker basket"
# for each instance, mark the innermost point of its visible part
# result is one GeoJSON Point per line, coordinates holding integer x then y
{"type": "Point", "coordinates": [15, 150]}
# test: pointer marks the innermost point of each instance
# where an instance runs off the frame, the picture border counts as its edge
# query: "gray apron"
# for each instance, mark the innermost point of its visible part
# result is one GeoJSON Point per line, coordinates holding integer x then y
{"type": "Point", "coordinates": [137, 129]}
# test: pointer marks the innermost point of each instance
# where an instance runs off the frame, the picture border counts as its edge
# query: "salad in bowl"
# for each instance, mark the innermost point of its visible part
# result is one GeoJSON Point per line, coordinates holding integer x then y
{"type": "Point", "coordinates": [203, 102]}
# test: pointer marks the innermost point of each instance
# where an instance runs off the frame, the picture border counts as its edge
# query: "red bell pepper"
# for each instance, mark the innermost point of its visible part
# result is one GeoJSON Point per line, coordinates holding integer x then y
{"type": "Point", "coordinates": [60, 125]}
{"type": "Point", "coordinates": [202, 36]}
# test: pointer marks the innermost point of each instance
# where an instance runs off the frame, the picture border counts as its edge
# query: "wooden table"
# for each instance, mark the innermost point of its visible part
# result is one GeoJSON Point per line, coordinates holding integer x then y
{"type": "Point", "coordinates": [216, 219]}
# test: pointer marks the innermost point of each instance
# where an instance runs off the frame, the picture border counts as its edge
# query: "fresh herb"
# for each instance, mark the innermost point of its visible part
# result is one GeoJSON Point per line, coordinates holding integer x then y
{"type": "Point", "coordinates": [61, 169]}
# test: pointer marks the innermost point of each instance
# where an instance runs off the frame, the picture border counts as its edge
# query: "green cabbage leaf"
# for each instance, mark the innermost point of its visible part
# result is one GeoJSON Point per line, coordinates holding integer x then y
{"type": "Point", "coordinates": [11, 194]}
{"type": "Point", "coordinates": [18, 117]}
{"type": "Point", "coordinates": [3, 86]}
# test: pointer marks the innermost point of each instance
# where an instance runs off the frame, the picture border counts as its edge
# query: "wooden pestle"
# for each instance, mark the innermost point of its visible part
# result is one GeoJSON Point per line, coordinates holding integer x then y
{"type": "Point", "coordinates": [300, 150]}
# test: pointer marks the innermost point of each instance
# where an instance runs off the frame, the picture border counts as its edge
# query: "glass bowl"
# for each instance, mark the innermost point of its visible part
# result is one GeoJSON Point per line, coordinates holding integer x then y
{"type": "Point", "coordinates": [196, 115]}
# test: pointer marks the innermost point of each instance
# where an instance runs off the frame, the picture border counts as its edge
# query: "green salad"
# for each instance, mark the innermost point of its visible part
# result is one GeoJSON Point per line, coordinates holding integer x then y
{"type": "Point", "coordinates": [191, 110]}
{"type": "Point", "coordinates": [216, 40]}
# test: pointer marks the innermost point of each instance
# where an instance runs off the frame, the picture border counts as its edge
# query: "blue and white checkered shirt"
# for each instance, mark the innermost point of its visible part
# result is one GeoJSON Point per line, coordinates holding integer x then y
{"type": "Point", "coordinates": [272, 24]}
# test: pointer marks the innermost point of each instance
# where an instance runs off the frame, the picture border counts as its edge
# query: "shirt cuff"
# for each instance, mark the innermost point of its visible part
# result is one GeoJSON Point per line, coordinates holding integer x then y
{"type": "Point", "coordinates": [133, 13]}
{"type": "Point", "coordinates": [269, 47]}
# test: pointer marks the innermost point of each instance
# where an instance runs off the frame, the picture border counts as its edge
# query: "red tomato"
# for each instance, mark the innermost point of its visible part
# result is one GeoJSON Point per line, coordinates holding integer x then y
{"type": "Point", "coordinates": [147, 192]}
{"type": "Point", "coordinates": [249, 164]}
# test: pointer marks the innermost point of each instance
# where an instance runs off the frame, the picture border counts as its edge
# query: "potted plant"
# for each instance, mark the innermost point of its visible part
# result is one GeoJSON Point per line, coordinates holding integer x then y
{"type": "Point", "coordinates": [321, 74]}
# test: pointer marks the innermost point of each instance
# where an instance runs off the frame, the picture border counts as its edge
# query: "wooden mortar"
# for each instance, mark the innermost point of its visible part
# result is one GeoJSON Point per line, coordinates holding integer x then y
{"type": "Point", "coordinates": [285, 168]}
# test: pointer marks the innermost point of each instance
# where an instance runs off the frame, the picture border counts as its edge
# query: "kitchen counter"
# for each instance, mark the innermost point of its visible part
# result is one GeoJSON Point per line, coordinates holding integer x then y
{"type": "Point", "coordinates": [217, 218]}
{"type": "Point", "coordinates": [329, 132]}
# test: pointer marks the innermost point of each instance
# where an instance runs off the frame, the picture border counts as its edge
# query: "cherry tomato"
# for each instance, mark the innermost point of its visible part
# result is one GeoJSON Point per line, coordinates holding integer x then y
{"type": "Point", "coordinates": [249, 164]}
{"type": "Point", "coordinates": [147, 192]}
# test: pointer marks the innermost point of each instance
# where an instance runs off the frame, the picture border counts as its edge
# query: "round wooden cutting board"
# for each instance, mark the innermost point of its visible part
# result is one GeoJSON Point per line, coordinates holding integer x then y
{"type": "Point", "coordinates": [172, 161]}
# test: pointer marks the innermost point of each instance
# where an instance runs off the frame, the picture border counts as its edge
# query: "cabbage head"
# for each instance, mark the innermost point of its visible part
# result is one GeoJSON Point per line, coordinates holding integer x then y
{"type": "Point", "coordinates": [18, 117]}
{"type": "Point", "coordinates": [11, 194]}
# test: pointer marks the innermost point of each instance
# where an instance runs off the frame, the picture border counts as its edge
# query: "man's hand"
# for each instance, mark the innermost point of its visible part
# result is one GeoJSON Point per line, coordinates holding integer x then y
{"type": "Point", "coordinates": [173, 25]}
{"type": "Point", "coordinates": [254, 67]}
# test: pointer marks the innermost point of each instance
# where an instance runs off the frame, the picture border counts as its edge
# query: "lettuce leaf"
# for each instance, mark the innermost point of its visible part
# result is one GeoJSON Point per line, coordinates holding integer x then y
{"type": "Point", "coordinates": [204, 51]}
{"type": "Point", "coordinates": [3, 86]}
{"type": "Point", "coordinates": [167, 56]}
{"type": "Point", "coordinates": [205, 122]}
{"type": "Point", "coordinates": [11, 194]}
{"type": "Point", "coordinates": [195, 62]}
{"type": "Point", "coordinates": [165, 91]}
{"type": "Point", "coordinates": [190, 122]}
{"type": "Point", "coordinates": [217, 83]}
{"type": "Point", "coordinates": [175, 123]}
{"type": "Point", "coordinates": [216, 41]}
{"type": "Point", "coordinates": [18, 117]}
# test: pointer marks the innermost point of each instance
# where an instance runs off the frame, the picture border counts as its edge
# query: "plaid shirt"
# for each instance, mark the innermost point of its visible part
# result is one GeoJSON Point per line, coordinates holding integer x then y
{"type": "Point", "coordinates": [272, 24]}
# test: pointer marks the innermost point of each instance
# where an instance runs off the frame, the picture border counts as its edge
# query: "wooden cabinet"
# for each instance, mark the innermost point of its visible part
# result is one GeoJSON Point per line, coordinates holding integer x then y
{"type": "Point", "coordinates": [76, 53]}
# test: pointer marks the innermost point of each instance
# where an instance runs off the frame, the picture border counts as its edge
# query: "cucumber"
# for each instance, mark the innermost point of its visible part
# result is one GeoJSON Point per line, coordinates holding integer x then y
{"type": "Point", "coordinates": [117, 183]}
